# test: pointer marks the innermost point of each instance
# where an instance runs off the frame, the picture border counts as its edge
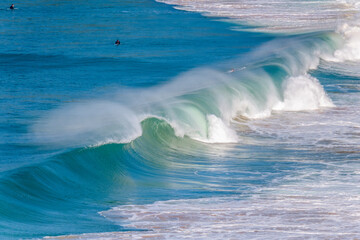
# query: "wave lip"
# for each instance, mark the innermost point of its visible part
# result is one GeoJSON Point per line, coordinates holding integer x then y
{"type": "Point", "coordinates": [203, 103]}
{"type": "Point", "coordinates": [88, 123]}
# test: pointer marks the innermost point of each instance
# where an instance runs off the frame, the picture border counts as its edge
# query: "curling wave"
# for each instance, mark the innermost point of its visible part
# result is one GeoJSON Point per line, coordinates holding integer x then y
{"type": "Point", "coordinates": [67, 184]}
{"type": "Point", "coordinates": [202, 103]}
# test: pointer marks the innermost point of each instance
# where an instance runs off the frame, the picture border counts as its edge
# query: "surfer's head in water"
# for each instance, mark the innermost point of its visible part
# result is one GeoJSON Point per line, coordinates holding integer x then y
{"type": "Point", "coordinates": [117, 42]}
{"type": "Point", "coordinates": [12, 7]}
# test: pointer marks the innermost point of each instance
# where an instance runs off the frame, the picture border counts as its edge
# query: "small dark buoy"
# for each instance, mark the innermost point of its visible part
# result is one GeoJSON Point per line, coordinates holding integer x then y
{"type": "Point", "coordinates": [12, 7]}
{"type": "Point", "coordinates": [117, 42]}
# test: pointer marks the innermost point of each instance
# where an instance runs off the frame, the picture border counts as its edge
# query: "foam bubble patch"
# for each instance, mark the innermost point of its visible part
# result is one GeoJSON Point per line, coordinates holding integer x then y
{"type": "Point", "coordinates": [303, 93]}
{"type": "Point", "coordinates": [350, 51]}
{"type": "Point", "coordinates": [277, 16]}
{"type": "Point", "coordinates": [219, 132]}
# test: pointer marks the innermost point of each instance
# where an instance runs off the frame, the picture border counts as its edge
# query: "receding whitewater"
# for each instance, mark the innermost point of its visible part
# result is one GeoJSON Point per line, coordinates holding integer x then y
{"type": "Point", "coordinates": [211, 120]}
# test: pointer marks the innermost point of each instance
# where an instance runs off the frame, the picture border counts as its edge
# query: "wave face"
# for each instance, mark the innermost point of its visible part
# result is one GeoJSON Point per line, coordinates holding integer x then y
{"type": "Point", "coordinates": [260, 139]}
{"type": "Point", "coordinates": [202, 103]}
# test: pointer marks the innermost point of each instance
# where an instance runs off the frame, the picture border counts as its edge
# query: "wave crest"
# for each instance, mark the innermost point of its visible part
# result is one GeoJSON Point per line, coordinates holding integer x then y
{"type": "Point", "coordinates": [202, 103]}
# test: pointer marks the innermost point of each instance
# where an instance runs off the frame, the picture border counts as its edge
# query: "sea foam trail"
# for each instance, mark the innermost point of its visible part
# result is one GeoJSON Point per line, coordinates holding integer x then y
{"type": "Point", "coordinates": [303, 93]}
{"type": "Point", "coordinates": [298, 208]}
{"type": "Point", "coordinates": [202, 103]}
{"type": "Point", "coordinates": [279, 16]}
{"type": "Point", "coordinates": [350, 47]}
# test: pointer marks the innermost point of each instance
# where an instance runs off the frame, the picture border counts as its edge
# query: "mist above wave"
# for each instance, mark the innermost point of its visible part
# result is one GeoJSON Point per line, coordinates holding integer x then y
{"type": "Point", "coordinates": [202, 103]}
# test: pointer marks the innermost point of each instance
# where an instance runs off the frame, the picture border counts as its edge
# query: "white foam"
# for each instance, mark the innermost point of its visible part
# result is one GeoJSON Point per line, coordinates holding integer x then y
{"type": "Point", "coordinates": [219, 132]}
{"type": "Point", "coordinates": [320, 203]}
{"type": "Point", "coordinates": [303, 93]}
{"type": "Point", "coordinates": [330, 129]}
{"type": "Point", "coordinates": [275, 15]}
{"type": "Point", "coordinates": [350, 49]}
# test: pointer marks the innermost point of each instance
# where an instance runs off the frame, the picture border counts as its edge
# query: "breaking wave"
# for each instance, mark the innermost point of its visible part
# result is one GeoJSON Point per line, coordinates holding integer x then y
{"type": "Point", "coordinates": [201, 104]}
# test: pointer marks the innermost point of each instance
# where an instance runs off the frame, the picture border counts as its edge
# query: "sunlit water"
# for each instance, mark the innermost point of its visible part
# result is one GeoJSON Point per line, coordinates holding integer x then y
{"type": "Point", "coordinates": [211, 119]}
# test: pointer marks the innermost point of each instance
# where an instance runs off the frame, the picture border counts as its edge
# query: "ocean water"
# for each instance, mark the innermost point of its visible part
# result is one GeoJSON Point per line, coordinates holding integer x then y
{"type": "Point", "coordinates": [225, 119]}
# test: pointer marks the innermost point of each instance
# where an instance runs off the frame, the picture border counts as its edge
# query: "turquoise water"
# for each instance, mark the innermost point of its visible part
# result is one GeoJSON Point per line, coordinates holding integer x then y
{"type": "Point", "coordinates": [194, 126]}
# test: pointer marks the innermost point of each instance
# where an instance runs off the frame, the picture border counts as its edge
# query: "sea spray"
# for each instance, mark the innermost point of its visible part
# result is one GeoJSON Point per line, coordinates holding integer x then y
{"type": "Point", "coordinates": [350, 47]}
{"type": "Point", "coordinates": [303, 93]}
{"type": "Point", "coordinates": [88, 123]}
{"type": "Point", "coordinates": [201, 103]}
{"type": "Point", "coordinates": [210, 139]}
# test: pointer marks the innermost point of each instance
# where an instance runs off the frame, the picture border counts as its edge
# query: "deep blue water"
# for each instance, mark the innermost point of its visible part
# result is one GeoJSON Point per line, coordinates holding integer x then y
{"type": "Point", "coordinates": [60, 69]}
{"type": "Point", "coordinates": [56, 52]}
{"type": "Point", "coordinates": [62, 51]}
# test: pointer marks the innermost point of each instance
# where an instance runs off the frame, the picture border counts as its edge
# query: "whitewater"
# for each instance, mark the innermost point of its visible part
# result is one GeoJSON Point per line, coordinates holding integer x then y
{"type": "Point", "coordinates": [248, 127]}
